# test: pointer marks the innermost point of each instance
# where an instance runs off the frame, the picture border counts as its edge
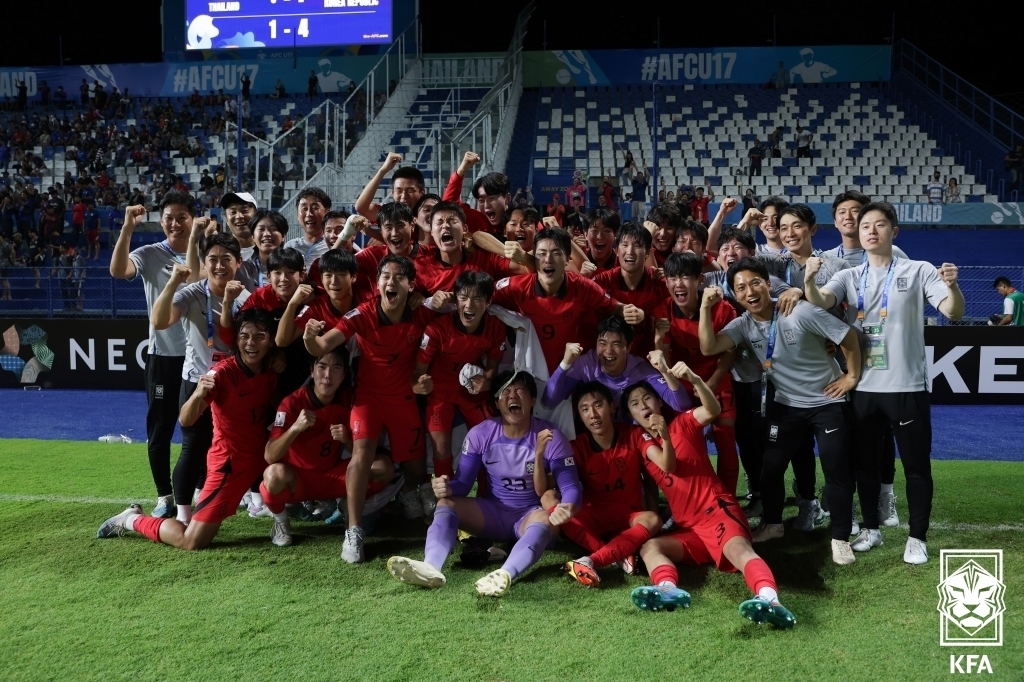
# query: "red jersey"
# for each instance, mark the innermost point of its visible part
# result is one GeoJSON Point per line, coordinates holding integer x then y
{"type": "Point", "coordinates": [367, 261]}
{"type": "Point", "coordinates": [699, 209]}
{"type": "Point", "coordinates": [649, 292]}
{"type": "Point", "coordinates": [434, 275]}
{"type": "Point", "coordinates": [611, 477]}
{"type": "Point", "coordinates": [387, 349]}
{"type": "Point", "coordinates": [684, 344]}
{"type": "Point", "coordinates": [447, 346]}
{"type": "Point", "coordinates": [320, 308]}
{"type": "Point", "coordinates": [693, 486]}
{"type": "Point", "coordinates": [476, 221]}
{"type": "Point", "coordinates": [314, 449]}
{"type": "Point", "coordinates": [265, 298]}
{"type": "Point", "coordinates": [556, 212]}
{"type": "Point", "coordinates": [241, 403]}
{"type": "Point", "coordinates": [609, 196]}
{"type": "Point", "coordinates": [556, 318]}
{"type": "Point", "coordinates": [609, 264]}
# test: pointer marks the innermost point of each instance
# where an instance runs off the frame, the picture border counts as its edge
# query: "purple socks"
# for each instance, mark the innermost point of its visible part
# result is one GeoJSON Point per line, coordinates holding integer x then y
{"type": "Point", "coordinates": [441, 536]}
{"type": "Point", "coordinates": [527, 550]}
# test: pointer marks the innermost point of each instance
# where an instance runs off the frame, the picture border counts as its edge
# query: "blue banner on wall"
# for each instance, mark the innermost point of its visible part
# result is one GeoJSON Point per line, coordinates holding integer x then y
{"type": "Point", "coordinates": [782, 65]}
{"type": "Point", "coordinates": [983, 214]}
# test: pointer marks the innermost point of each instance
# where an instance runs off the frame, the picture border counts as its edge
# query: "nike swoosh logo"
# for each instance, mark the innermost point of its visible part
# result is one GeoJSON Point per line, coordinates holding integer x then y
{"type": "Point", "coordinates": [494, 462]}
{"type": "Point", "coordinates": [906, 422]}
{"type": "Point", "coordinates": [833, 430]}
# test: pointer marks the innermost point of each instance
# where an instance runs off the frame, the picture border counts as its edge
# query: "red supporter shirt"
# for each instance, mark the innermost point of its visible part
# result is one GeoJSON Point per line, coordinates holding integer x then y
{"type": "Point", "coordinates": [693, 486]}
{"type": "Point", "coordinates": [556, 212]}
{"type": "Point", "coordinates": [611, 478]}
{"type": "Point", "coordinates": [699, 209]}
{"type": "Point", "coordinates": [609, 196]}
{"type": "Point", "coordinates": [241, 404]}
{"type": "Point", "coordinates": [556, 318]}
{"type": "Point", "coordinates": [388, 349]}
{"type": "Point", "coordinates": [314, 449]}
{"type": "Point", "coordinates": [447, 346]}
{"type": "Point", "coordinates": [647, 295]}
{"type": "Point", "coordinates": [684, 344]}
{"type": "Point", "coordinates": [476, 221]}
{"type": "Point", "coordinates": [433, 274]}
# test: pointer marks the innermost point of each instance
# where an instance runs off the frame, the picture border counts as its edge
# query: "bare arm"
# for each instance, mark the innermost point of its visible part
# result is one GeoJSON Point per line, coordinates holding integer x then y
{"type": "Point", "coordinates": [364, 204]}
{"type": "Point", "coordinates": [121, 267]}
{"type": "Point", "coordinates": [318, 345]}
{"type": "Point", "coordinates": [196, 404]}
{"type": "Point", "coordinates": [277, 448]}
{"type": "Point", "coordinates": [724, 209]}
{"type": "Point", "coordinates": [953, 305]}
{"type": "Point", "coordinates": [823, 299]}
{"type": "Point", "coordinates": [164, 314]}
{"type": "Point", "coordinates": [709, 406]}
{"type": "Point", "coordinates": [663, 455]}
{"type": "Point", "coordinates": [710, 342]}
{"type": "Point", "coordinates": [286, 331]}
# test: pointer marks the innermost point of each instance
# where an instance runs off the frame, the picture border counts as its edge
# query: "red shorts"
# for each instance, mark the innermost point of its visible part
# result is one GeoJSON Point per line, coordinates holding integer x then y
{"type": "Point", "coordinates": [93, 236]}
{"type": "Point", "coordinates": [372, 413]}
{"type": "Point", "coordinates": [705, 538]}
{"type": "Point", "coordinates": [225, 486]}
{"type": "Point", "coordinates": [604, 520]}
{"type": "Point", "coordinates": [727, 399]}
{"type": "Point", "coordinates": [326, 484]}
{"type": "Point", "coordinates": [441, 410]}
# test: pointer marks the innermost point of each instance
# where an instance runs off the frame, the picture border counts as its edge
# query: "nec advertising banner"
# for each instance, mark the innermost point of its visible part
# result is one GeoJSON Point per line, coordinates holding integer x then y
{"type": "Point", "coordinates": [823, 64]}
{"type": "Point", "coordinates": [983, 214]}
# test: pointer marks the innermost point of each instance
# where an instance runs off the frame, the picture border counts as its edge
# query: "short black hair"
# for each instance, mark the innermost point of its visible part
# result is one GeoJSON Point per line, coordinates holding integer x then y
{"type": "Point", "coordinates": [279, 221]}
{"type": "Point", "coordinates": [628, 390]}
{"type": "Point", "coordinates": [283, 257]}
{"type": "Point", "coordinates": [883, 207]}
{"type": "Point", "coordinates": [228, 241]}
{"type": "Point", "coordinates": [493, 184]}
{"type": "Point", "coordinates": [338, 260]}
{"type": "Point", "coordinates": [698, 230]}
{"type": "Point", "coordinates": [591, 388]}
{"type": "Point", "coordinates": [336, 215]}
{"type": "Point", "coordinates": [341, 351]}
{"type": "Point", "coordinates": [637, 233]}
{"type": "Point", "coordinates": [316, 193]}
{"type": "Point", "coordinates": [850, 195]}
{"type": "Point", "coordinates": [409, 173]}
{"type": "Point", "coordinates": [684, 265]}
{"type": "Point", "coordinates": [447, 207]}
{"type": "Point", "coordinates": [475, 279]}
{"type": "Point", "coordinates": [261, 319]}
{"type": "Point", "coordinates": [175, 198]}
{"type": "Point", "coordinates": [514, 377]}
{"type": "Point", "coordinates": [729, 234]}
{"type": "Point", "coordinates": [802, 211]}
{"type": "Point", "coordinates": [749, 264]}
{"type": "Point", "coordinates": [405, 266]}
{"type": "Point", "coordinates": [666, 212]}
{"type": "Point", "coordinates": [1004, 280]}
{"type": "Point", "coordinates": [614, 324]}
{"type": "Point", "coordinates": [395, 212]}
{"type": "Point", "coordinates": [608, 218]}
{"type": "Point", "coordinates": [422, 200]}
{"type": "Point", "coordinates": [778, 203]}
{"type": "Point", "coordinates": [556, 234]}
{"type": "Point", "coordinates": [530, 215]}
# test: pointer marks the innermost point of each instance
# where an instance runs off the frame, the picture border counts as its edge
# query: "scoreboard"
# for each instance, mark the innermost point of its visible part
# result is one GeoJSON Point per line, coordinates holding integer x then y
{"type": "Point", "coordinates": [225, 24]}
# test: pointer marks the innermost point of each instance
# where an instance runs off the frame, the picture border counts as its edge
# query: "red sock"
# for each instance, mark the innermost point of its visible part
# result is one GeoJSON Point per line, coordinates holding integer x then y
{"type": "Point", "coordinates": [665, 572]}
{"type": "Point", "coordinates": [443, 467]}
{"type": "Point", "coordinates": [622, 545]}
{"type": "Point", "coordinates": [275, 503]}
{"type": "Point", "coordinates": [578, 533]}
{"type": "Point", "coordinates": [757, 575]}
{"type": "Point", "coordinates": [149, 526]}
{"type": "Point", "coordinates": [728, 460]}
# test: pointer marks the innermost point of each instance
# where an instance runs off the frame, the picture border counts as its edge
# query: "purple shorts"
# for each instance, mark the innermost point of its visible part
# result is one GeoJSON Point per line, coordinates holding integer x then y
{"type": "Point", "coordinates": [501, 522]}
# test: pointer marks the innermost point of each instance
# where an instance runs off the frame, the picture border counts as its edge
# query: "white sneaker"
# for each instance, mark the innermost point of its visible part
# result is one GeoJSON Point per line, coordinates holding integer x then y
{"type": "Point", "coordinates": [412, 505]}
{"type": "Point", "coordinates": [415, 572]}
{"type": "Point", "coordinates": [257, 512]}
{"type": "Point", "coordinates": [809, 516]}
{"type": "Point", "coordinates": [374, 503]}
{"type": "Point", "coordinates": [768, 531]}
{"type": "Point", "coordinates": [165, 507]}
{"type": "Point", "coordinates": [855, 526]}
{"type": "Point", "coordinates": [867, 539]}
{"type": "Point", "coordinates": [887, 515]}
{"type": "Point", "coordinates": [281, 533]}
{"type": "Point", "coordinates": [842, 553]}
{"type": "Point", "coordinates": [427, 500]}
{"type": "Point", "coordinates": [916, 552]}
{"type": "Point", "coordinates": [494, 584]}
{"type": "Point", "coordinates": [246, 500]}
{"type": "Point", "coordinates": [352, 548]}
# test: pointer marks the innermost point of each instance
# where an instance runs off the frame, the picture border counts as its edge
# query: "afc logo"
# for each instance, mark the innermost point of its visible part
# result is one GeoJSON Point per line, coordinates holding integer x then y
{"type": "Point", "coordinates": [902, 284]}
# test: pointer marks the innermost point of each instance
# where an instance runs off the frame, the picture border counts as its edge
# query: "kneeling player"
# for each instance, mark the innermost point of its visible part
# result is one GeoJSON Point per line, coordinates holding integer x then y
{"type": "Point", "coordinates": [505, 447]}
{"type": "Point", "coordinates": [711, 527]}
{"type": "Point", "coordinates": [240, 391]}
{"type": "Point", "coordinates": [304, 450]}
{"type": "Point", "coordinates": [609, 462]}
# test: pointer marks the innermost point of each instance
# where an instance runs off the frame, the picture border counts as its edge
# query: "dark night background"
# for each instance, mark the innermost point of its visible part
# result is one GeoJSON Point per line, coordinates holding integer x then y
{"type": "Point", "coordinates": [979, 41]}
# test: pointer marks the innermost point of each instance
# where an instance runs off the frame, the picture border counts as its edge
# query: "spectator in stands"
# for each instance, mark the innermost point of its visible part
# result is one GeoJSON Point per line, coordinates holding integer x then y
{"type": "Point", "coordinates": [524, 197]}
{"type": "Point", "coordinates": [662, 196]}
{"type": "Point", "coordinates": [574, 219]}
{"type": "Point", "coordinates": [1014, 163]}
{"type": "Point", "coordinates": [699, 204]}
{"type": "Point", "coordinates": [6, 265]}
{"type": "Point", "coordinates": [626, 210]}
{"type": "Point", "coordinates": [60, 98]}
{"type": "Point", "coordinates": [246, 85]}
{"type": "Point", "coordinates": [577, 190]}
{"type": "Point", "coordinates": [312, 84]}
{"type": "Point", "coordinates": [608, 193]}
{"type": "Point", "coordinates": [64, 268]}
{"type": "Point", "coordinates": [44, 95]}
{"type": "Point", "coordinates": [755, 155]}
{"type": "Point", "coordinates": [78, 219]}
{"type": "Point", "coordinates": [953, 191]}
{"type": "Point", "coordinates": [277, 194]}
{"type": "Point", "coordinates": [640, 183]}
{"type": "Point", "coordinates": [206, 182]}
{"type": "Point", "coordinates": [230, 109]}
{"type": "Point", "coordinates": [781, 77]}
{"type": "Point", "coordinates": [1013, 303]}
{"type": "Point", "coordinates": [555, 209]}
{"type": "Point", "coordinates": [279, 89]}
{"type": "Point", "coordinates": [21, 103]}
{"type": "Point", "coordinates": [775, 146]}
{"type": "Point", "coordinates": [92, 231]}
{"type": "Point", "coordinates": [750, 200]}
{"type": "Point", "coordinates": [935, 190]}
{"type": "Point", "coordinates": [36, 254]}
{"type": "Point", "coordinates": [310, 168]}
{"type": "Point", "coordinates": [803, 143]}
{"type": "Point", "coordinates": [295, 172]}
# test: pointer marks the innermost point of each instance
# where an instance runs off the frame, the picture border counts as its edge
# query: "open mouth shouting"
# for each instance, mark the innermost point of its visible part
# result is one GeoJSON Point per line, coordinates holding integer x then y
{"type": "Point", "coordinates": [515, 408]}
{"type": "Point", "coordinates": [447, 239]}
{"type": "Point", "coordinates": [681, 295]}
{"type": "Point", "coordinates": [390, 295]}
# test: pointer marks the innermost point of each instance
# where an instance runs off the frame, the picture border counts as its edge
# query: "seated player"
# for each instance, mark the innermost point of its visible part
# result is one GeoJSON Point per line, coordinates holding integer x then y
{"type": "Point", "coordinates": [304, 453]}
{"type": "Point", "coordinates": [468, 337]}
{"type": "Point", "coordinates": [337, 272]}
{"type": "Point", "coordinates": [504, 446]}
{"type": "Point", "coordinates": [611, 364]}
{"type": "Point", "coordinates": [388, 332]}
{"type": "Point", "coordinates": [240, 391]}
{"type": "Point", "coordinates": [609, 464]}
{"type": "Point", "coordinates": [709, 524]}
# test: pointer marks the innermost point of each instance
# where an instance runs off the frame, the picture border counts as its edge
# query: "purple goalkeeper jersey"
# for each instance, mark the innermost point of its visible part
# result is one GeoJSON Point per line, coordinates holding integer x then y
{"type": "Point", "coordinates": [509, 464]}
{"type": "Point", "coordinates": [588, 368]}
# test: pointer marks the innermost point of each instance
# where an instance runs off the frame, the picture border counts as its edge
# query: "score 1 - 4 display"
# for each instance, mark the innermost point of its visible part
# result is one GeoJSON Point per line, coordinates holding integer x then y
{"type": "Point", "coordinates": [286, 23]}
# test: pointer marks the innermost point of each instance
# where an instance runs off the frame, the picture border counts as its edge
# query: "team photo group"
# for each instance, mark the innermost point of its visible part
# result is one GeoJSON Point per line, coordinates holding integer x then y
{"type": "Point", "coordinates": [514, 380]}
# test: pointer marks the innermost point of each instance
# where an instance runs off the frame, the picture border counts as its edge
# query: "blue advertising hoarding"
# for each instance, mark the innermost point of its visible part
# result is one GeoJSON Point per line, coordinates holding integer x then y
{"type": "Point", "coordinates": [985, 214]}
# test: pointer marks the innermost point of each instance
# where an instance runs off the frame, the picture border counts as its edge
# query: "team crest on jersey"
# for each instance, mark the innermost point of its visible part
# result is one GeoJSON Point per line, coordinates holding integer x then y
{"type": "Point", "coordinates": [530, 467]}
{"type": "Point", "coordinates": [279, 419]}
{"type": "Point", "coordinates": [570, 462]}
{"type": "Point", "coordinates": [352, 313]}
{"type": "Point", "coordinates": [648, 437]}
{"type": "Point", "coordinates": [158, 391]}
{"type": "Point", "coordinates": [465, 446]}
{"type": "Point", "coordinates": [502, 283]}
{"type": "Point", "coordinates": [902, 284]}
{"type": "Point", "coordinates": [773, 433]}
{"type": "Point", "coordinates": [822, 278]}
{"type": "Point", "coordinates": [621, 465]}
{"type": "Point", "coordinates": [424, 342]}
{"type": "Point", "coordinates": [789, 335]}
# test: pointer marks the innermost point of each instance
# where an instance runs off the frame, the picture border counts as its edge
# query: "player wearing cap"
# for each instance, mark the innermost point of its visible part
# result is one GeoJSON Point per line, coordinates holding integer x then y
{"type": "Point", "coordinates": [709, 524]}
{"type": "Point", "coordinates": [239, 391]}
{"type": "Point", "coordinates": [311, 205]}
{"type": "Point", "coordinates": [609, 464]}
{"type": "Point", "coordinates": [885, 300]}
{"type": "Point", "coordinates": [238, 209]}
{"type": "Point", "coordinates": [407, 187]}
{"type": "Point", "coordinates": [506, 448]}
{"type": "Point", "coordinates": [803, 394]}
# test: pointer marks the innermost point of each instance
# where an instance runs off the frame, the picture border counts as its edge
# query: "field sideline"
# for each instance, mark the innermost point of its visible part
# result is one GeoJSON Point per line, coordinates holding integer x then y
{"type": "Point", "coordinates": [80, 608]}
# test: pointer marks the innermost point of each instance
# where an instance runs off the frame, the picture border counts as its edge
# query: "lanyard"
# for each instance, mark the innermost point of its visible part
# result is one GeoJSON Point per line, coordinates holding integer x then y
{"type": "Point", "coordinates": [166, 246]}
{"type": "Point", "coordinates": [209, 314]}
{"type": "Point", "coordinates": [841, 251]}
{"type": "Point", "coordinates": [885, 292]}
{"type": "Point", "coordinates": [769, 351]}
{"type": "Point", "coordinates": [261, 278]}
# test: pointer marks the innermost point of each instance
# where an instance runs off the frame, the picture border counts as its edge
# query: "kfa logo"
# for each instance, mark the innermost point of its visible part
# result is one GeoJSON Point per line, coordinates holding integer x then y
{"type": "Point", "coordinates": [971, 663]}
{"type": "Point", "coordinates": [530, 467]}
{"type": "Point", "coordinates": [773, 433]}
{"type": "Point", "coordinates": [901, 284]}
{"type": "Point", "coordinates": [971, 598]}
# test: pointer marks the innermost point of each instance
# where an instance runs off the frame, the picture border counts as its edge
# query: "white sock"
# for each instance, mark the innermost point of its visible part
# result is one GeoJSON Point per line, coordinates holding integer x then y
{"type": "Point", "coordinates": [129, 521]}
{"type": "Point", "coordinates": [257, 500]}
{"type": "Point", "coordinates": [282, 517]}
{"type": "Point", "coordinates": [887, 488]}
{"type": "Point", "coordinates": [666, 583]}
{"type": "Point", "coordinates": [768, 593]}
{"type": "Point", "coordinates": [184, 513]}
{"type": "Point", "coordinates": [586, 561]}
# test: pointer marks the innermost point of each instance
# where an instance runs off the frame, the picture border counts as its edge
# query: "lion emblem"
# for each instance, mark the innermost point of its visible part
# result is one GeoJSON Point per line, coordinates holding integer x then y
{"type": "Point", "coordinates": [971, 597]}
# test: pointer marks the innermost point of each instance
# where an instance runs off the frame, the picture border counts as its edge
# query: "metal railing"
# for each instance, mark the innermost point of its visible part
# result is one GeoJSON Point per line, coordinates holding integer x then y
{"type": "Point", "coordinates": [980, 296]}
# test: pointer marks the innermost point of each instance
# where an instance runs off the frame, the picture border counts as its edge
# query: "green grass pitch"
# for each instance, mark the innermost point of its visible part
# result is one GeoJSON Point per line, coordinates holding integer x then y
{"type": "Point", "coordinates": [77, 608]}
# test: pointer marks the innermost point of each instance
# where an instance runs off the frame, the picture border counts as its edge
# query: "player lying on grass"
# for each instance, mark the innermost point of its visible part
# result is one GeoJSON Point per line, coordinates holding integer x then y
{"type": "Point", "coordinates": [505, 446]}
{"type": "Point", "coordinates": [240, 392]}
{"type": "Point", "coordinates": [307, 444]}
{"type": "Point", "coordinates": [710, 525]}
{"type": "Point", "coordinates": [609, 463]}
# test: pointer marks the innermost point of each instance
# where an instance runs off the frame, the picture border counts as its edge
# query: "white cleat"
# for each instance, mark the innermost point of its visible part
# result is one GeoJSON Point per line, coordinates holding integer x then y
{"type": "Point", "coordinates": [842, 553]}
{"type": "Point", "coordinates": [768, 531]}
{"type": "Point", "coordinates": [868, 538]}
{"type": "Point", "coordinates": [810, 515]}
{"type": "Point", "coordinates": [415, 572]}
{"type": "Point", "coordinates": [916, 552]}
{"type": "Point", "coordinates": [887, 515]}
{"type": "Point", "coordinates": [411, 504]}
{"type": "Point", "coordinates": [352, 547]}
{"type": "Point", "coordinates": [494, 584]}
{"type": "Point", "coordinates": [281, 533]}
